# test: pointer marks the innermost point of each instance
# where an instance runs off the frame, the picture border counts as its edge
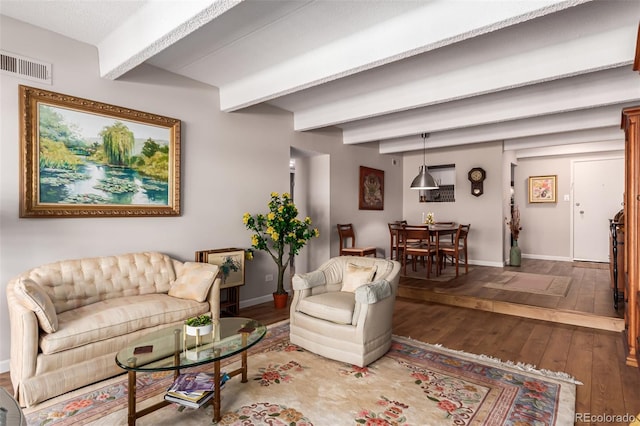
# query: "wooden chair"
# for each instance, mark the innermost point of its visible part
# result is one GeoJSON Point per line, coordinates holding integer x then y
{"type": "Point", "coordinates": [394, 234]}
{"type": "Point", "coordinates": [416, 243]}
{"type": "Point", "coordinates": [457, 250]}
{"type": "Point", "coordinates": [346, 233]}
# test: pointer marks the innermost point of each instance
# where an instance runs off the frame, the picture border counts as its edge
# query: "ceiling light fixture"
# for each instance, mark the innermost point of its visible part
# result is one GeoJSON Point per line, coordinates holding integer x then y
{"type": "Point", "coordinates": [424, 180]}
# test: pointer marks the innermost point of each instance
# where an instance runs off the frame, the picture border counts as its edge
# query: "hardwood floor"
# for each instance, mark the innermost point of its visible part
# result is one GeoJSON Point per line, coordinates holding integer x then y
{"type": "Point", "coordinates": [593, 356]}
{"type": "Point", "coordinates": [588, 302]}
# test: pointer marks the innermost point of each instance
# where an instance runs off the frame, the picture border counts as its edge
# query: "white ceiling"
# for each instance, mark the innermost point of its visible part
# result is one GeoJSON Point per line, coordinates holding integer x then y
{"type": "Point", "coordinates": [533, 73]}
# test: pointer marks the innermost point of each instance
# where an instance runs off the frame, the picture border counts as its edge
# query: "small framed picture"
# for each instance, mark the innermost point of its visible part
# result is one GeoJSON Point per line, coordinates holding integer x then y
{"type": "Point", "coordinates": [543, 189]}
{"type": "Point", "coordinates": [230, 261]}
{"type": "Point", "coordinates": [371, 194]}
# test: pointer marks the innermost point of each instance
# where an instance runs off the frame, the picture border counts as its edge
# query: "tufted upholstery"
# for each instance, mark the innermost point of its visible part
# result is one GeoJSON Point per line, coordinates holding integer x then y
{"type": "Point", "coordinates": [101, 304]}
{"type": "Point", "coordinates": [349, 326]}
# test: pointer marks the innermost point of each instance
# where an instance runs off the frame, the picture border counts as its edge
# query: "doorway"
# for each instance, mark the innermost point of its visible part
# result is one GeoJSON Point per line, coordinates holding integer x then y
{"type": "Point", "coordinates": [598, 187]}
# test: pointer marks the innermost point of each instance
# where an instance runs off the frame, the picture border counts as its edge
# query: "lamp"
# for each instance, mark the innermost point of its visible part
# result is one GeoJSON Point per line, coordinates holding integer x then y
{"type": "Point", "coordinates": [424, 180]}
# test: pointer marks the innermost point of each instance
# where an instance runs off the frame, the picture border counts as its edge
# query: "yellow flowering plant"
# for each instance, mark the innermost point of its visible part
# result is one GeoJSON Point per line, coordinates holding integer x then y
{"type": "Point", "coordinates": [280, 233]}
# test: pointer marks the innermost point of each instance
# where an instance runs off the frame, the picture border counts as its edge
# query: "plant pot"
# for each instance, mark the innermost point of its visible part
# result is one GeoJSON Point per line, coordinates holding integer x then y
{"type": "Point", "coordinates": [202, 329]}
{"type": "Point", "coordinates": [280, 300]}
{"type": "Point", "coordinates": [515, 256]}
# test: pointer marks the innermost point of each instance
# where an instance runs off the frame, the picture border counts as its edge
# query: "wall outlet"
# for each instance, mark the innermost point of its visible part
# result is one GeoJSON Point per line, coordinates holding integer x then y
{"type": "Point", "coordinates": [268, 277]}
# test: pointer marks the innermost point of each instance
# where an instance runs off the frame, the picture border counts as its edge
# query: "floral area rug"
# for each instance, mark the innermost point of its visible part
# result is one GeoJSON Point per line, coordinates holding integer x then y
{"type": "Point", "coordinates": [413, 384]}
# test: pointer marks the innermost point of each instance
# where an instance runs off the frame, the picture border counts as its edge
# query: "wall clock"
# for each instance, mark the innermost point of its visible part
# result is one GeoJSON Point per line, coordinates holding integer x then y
{"type": "Point", "coordinates": [477, 176]}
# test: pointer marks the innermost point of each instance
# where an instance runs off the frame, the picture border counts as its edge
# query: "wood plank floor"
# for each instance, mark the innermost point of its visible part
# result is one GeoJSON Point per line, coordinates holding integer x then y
{"type": "Point", "coordinates": [593, 356]}
{"type": "Point", "coordinates": [588, 302]}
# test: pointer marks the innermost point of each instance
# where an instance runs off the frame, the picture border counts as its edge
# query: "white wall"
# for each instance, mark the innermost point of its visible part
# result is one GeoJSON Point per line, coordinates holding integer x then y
{"type": "Point", "coordinates": [546, 232]}
{"type": "Point", "coordinates": [484, 213]}
{"type": "Point", "coordinates": [230, 165]}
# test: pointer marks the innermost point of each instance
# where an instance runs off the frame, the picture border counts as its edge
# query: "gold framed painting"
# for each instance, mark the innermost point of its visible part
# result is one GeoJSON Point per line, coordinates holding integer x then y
{"type": "Point", "coordinates": [82, 158]}
{"type": "Point", "coordinates": [543, 189]}
{"type": "Point", "coordinates": [230, 261]}
{"type": "Point", "coordinates": [371, 193]}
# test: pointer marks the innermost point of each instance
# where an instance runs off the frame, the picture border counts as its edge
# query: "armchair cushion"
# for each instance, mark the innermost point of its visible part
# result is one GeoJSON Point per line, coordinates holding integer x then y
{"type": "Point", "coordinates": [336, 306]}
{"type": "Point", "coordinates": [373, 292]}
{"type": "Point", "coordinates": [194, 282]}
{"type": "Point", "coordinates": [37, 299]}
{"type": "Point", "coordinates": [357, 275]}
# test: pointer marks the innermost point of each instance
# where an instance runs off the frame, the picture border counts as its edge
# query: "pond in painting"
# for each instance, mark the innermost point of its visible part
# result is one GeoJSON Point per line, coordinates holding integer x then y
{"type": "Point", "coordinates": [93, 183]}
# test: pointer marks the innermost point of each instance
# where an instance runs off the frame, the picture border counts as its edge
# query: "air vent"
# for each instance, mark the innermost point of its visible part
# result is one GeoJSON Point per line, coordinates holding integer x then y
{"type": "Point", "coordinates": [28, 68]}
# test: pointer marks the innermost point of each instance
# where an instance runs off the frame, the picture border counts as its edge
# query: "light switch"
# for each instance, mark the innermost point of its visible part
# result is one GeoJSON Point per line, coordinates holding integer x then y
{"type": "Point", "coordinates": [566, 197]}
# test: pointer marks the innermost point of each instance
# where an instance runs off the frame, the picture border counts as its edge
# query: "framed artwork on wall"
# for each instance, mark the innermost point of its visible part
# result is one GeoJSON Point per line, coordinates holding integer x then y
{"type": "Point", "coordinates": [543, 189]}
{"type": "Point", "coordinates": [371, 190]}
{"type": "Point", "coordinates": [82, 158]}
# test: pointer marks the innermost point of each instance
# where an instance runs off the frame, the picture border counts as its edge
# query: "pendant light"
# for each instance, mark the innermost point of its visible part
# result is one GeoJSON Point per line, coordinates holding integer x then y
{"type": "Point", "coordinates": [424, 180]}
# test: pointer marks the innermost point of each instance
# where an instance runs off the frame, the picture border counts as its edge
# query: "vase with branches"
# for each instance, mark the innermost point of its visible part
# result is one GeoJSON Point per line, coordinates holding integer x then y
{"type": "Point", "coordinates": [514, 223]}
{"type": "Point", "coordinates": [515, 255]}
{"type": "Point", "coordinates": [280, 233]}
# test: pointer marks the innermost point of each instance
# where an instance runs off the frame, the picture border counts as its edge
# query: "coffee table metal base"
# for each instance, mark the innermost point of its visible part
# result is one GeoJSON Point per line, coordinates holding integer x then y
{"type": "Point", "coordinates": [133, 415]}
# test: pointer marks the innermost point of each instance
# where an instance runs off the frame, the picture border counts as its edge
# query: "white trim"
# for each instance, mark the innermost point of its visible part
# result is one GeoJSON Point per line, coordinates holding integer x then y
{"type": "Point", "coordinates": [545, 257]}
{"type": "Point", "coordinates": [256, 301]}
{"type": "Point", "coordinates": [486, 263]}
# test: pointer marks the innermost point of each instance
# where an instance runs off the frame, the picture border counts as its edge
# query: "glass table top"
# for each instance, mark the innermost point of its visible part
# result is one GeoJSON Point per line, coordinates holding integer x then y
{"type": "Point", "coordinates": [170, 349]}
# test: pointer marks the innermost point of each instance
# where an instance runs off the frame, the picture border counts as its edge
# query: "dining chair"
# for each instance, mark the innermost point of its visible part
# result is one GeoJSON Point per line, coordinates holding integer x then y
{"type": "Point", "coordinates": [346, 234]}
{"type": "Point", "coordinates": [447, 224]}
{"type": "Point", "coordinates": [457, 250]}
{"type": "Point", "coordinates": [394, 234]}
{"type": "Point", "coordinates": [416, 243]}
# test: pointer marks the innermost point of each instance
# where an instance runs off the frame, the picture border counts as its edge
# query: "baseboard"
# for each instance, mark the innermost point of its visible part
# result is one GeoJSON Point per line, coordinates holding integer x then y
{"type": "Point", "coordinates": [256, 301]}
{"type": "Point", "coordinates": [4, 366]}
{"type": "Point", "coordinates": [486, 263]}
{"type": "Point", "coordinates": [545, 257]}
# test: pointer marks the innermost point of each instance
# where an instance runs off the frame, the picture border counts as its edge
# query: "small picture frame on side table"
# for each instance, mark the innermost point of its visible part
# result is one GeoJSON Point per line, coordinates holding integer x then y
{"type": "Point", "coordinates": [231, 262]}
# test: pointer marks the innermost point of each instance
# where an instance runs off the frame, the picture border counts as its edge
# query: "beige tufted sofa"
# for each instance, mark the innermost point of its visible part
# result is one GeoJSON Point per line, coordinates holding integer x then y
{"type": "Point", "coordinates": [69, 318]}
{"type": "Point", "coordinates": [344, 309]}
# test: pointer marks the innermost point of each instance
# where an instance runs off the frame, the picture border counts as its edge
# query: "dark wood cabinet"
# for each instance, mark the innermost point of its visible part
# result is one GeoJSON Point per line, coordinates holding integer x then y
{"type": "Point", "coordinates": [631, 126]}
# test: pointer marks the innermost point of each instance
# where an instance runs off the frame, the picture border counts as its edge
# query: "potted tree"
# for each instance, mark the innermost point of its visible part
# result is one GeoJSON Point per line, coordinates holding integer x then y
{"type": "Point", "coordinates": [281, 234]}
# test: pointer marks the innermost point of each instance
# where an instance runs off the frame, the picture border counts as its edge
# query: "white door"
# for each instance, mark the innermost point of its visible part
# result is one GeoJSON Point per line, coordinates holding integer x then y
{"type": "Point", "coordinates": [598, 187]}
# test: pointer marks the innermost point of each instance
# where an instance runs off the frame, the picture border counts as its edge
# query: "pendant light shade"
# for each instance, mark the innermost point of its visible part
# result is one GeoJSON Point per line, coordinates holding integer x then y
{"type": "Point", "coordinates": [424, 180]}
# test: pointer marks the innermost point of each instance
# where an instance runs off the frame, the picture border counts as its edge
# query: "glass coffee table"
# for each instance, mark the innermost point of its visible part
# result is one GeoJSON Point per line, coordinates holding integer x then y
{"type": "Point", "coordinates": [170, 349]}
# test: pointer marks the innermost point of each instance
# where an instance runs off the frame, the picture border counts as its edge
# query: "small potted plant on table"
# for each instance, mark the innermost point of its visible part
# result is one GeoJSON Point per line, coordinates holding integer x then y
{"type": "Point", "coordinates": [199, 326]}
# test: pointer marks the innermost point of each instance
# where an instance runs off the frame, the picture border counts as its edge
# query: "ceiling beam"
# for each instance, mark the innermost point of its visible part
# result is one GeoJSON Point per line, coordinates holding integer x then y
{"type": "Point", "coordinates": [151, 29]}
{"type": "Point", "coordinates": [596, 118]}
{"type": "Point", "coordinates": [431, 26]}
{"type": "Point", "coordinates": [614, 86]}
{"type": "Point", "coordinates": [479, 66]}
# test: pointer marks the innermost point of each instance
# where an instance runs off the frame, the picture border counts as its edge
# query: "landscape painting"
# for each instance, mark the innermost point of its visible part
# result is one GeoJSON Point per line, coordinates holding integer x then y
{"type": "Point", "coordinates": [83, 158]}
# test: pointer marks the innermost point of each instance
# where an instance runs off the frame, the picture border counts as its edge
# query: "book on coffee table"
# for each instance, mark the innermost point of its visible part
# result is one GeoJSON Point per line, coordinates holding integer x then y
{"type": "Point", "coordinates": [195, 403]}
{"type": "Point", "coordinates": [193, 389]}
{"type": "Point", "coordinates": [193, 382]}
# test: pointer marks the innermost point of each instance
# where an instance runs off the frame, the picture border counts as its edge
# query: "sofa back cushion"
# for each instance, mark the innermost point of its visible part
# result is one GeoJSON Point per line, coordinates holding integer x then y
{"type": "Point", "coordinates": [79, 282]}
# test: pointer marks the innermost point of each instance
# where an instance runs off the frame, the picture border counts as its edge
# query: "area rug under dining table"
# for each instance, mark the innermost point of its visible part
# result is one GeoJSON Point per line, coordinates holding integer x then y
{"type": "Point", "coordinates": [415, 383]}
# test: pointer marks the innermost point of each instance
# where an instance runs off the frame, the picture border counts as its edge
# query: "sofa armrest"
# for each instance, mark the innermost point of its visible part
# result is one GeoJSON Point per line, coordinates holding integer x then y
{"type": "Point", "coordinates": [308, 280]}
{"type": "Point", "coordinates": [214, 297]}
{"type": "Point", "coordinates": [373, 292]}
{"type": "Point", "coordinates": [24, 340]}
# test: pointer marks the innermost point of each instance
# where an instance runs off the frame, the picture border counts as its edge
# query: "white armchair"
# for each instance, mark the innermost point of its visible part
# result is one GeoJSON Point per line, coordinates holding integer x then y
{"type": "Point", "coordinates": [344, 309]}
